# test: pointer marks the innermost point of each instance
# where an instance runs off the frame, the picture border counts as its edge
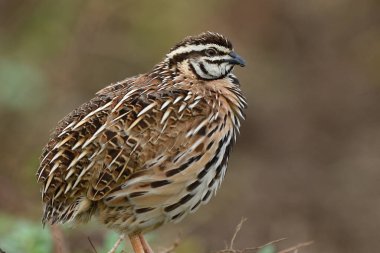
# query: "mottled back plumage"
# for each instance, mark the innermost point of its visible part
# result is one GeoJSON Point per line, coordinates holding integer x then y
{"type": "Point", "coordinates": [149, 149]}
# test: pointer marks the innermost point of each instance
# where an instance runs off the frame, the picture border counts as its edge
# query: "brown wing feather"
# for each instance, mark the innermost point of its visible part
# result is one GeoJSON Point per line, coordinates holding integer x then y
{"type": "Point", "coordinates": [66, 166]}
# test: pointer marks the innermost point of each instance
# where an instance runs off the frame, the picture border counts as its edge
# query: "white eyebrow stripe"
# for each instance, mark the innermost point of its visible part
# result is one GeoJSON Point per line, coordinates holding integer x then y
{"type": "Point", "coordinates": [190, 48]}
{"type": "Point", "coordinates": [216, 58]}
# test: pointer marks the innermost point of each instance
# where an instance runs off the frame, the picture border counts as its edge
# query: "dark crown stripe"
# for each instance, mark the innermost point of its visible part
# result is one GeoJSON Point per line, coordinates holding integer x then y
{"type": "Point", "coordinates": [203, 39]}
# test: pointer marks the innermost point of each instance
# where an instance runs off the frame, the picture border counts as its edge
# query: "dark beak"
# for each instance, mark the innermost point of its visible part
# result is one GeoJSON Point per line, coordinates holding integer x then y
{"type": "Point", "coordinates": [236, 59]}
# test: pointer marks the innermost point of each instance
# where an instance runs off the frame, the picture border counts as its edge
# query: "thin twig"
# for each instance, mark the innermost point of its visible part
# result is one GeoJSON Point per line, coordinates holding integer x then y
{"type": "Point", "coordinates": [237, 229]}
{"type": "Point", "coordinates": [262, 246]}
{"type": "Point", "coordinates": [297, 247]}
{"type": "Point", "coordinates": [230, 248]}
{"type": "Point", "coordinates": [174, 245]}
{"type": "Point", "coordinates": [116, 245]}
{"type": "Point", "coordinates": [92, 245]}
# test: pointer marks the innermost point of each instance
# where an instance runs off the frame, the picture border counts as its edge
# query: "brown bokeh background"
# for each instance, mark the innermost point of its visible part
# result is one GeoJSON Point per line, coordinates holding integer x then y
{"type": "Point", "coordinates": [307, 163]}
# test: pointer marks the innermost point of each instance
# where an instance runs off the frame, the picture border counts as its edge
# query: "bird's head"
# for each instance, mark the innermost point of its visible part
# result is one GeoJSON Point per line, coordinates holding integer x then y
{"type": "Point", "coordinates": [208, 56]}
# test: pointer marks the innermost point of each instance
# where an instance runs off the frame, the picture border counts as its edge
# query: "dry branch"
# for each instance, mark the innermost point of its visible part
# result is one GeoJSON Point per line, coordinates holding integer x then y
{"type": "Point", "coordinates": [296, 248]}
{"type": "Point", "coordinates": [230, 248]}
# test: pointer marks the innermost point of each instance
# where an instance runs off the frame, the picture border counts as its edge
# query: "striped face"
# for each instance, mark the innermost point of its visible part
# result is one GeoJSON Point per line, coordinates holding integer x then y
{"type": "Point", "coordinates": [209, 56]}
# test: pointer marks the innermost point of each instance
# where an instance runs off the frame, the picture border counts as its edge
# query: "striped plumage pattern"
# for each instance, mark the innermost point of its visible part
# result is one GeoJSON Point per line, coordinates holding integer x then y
{"type": "Point", "coordinates": [149, 149]}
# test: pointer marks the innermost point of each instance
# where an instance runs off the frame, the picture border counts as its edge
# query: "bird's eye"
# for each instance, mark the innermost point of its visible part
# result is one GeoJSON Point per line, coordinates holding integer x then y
{"type": "Point", "coordinates": [211, 52]}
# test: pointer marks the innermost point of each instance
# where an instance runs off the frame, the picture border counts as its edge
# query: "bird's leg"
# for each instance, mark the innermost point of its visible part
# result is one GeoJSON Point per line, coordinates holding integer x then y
{"type": "Point", "coordinates": [136, 243]}
{"type": "Point", "coordinates": [58, 239]}
{"type": "Point", "coordinates": [116, 245]}
{"type": "Point", "coordinates": [145, 244]}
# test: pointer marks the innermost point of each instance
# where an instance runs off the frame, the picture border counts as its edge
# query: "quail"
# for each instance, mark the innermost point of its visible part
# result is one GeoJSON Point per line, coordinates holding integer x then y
{"type": "Point", "coordinates": [149, 149]}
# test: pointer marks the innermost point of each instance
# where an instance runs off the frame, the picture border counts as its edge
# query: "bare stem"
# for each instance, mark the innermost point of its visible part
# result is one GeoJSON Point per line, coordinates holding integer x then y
{"type": "Point", "coordinates": [116, 245]}
{"type": "Point", "coordinates": [296, 247]}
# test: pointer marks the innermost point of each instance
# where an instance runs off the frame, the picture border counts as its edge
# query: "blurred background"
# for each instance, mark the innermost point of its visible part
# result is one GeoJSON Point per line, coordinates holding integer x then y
{"type": "Point", "coordinates": [307, 163]}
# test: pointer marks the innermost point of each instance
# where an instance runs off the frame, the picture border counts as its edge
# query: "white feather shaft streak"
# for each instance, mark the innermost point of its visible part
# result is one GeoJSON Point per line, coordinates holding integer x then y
{"type": "Point", "coordinates": [83, 154]}
{"type": "Point", "coordinates": [56, 165]}
{"type": "Point", "coordinates": [196, 144]}
{"type": "Point", "coordinates": [59, 144]}
{"type": "Point", "coordinates": [48, 183]}
{"type": "Point", "coordinates": [165, 116]}
{"type": "Point", "coordinates": [80, 142]}
{"type": "Point", "coordinates": [41, 171]}
{"type": "Point", "coordinates": [163, 128]}
{"type": "Point", "coordinates": [126, 96]}
{"type": "Point", "coordinates": [97, 152]}
{"type": "Point", "coordinates": [79, 178]}
{"type": "Point", "coordinates": [138, 180]}
{"type": "Point", "coordinates": [68, 187]}
{"type": "Point", "coordinates": [192, 105]}
{"type": "Point", "coordinates": [215, 116]}
{"type": "Point", "coordinates": [76, 159]}
{"type": "Point", "coordinates": [202, 124]}
{"type": "Point", "coordinates": [85, 119]}
{"type": "Point", "coordinates": [146, 109]}
{"type": "Point", "coordinates": [116, 157]}
{"type": "Point", "coordinates": [134, 123]}
{"type": "Point", "coordinates": [198, 97]}
{"type": "Point", "coordinates": [59, 153]}
{"type": "Point", "coordinates": [239, 112]}
{"type": "Point", "coordinates": [66, 128]}
{"type": "Point", "coordinates": [43, 159]}
{"type": "Point", "coordinates": [182, 107]}
{"type": "Point", "coordinates": [177, 99]}
{"type": "Point", "coordinates": [71, 172]}
{"type": "Point", "coordinates": [164, 105]}
{"type": "Point", "coordinates": [119, 117]}
{"type": "Point", "coordinates": [59, 193]}
{"type": "Point", "coordinates": [122, 171]}
{"type": "Point", "coordinates": [94, 136]}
